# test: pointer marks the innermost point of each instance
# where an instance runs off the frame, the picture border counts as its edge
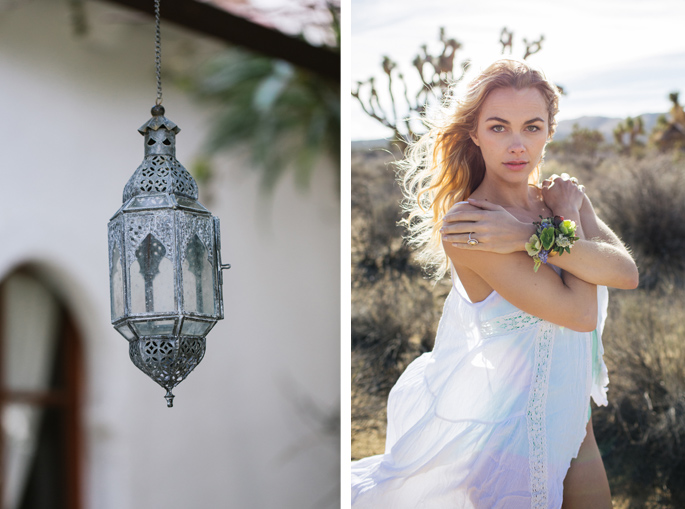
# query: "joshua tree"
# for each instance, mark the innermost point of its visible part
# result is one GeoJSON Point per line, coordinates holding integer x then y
{"type": "Point", "coordinates": [670, 134]}
{"type": "Point", "coordinates": [436, 72]}
{"type": "Point", "coordinates": [533, 47]}
{"type": "Point", "coordinates": [677, 113]}
{"type": "Point", "coordinates": [635, 128]}
{"type": "Point", "coordinates": [506, 38]}
{"type": "Point", "coordinates": [585, 141]}
{"type": "Point", "coordinates": [631, 127]}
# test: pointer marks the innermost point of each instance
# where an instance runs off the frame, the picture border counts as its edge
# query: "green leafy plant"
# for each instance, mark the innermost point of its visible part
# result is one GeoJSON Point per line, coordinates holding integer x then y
{"type": "Point", "coordinates": [288, 117]}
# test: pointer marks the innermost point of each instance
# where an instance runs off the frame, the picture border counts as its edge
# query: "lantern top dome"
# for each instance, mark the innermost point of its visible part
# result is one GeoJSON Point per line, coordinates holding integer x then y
{"type": "Point", "coordinates": [160, 171]}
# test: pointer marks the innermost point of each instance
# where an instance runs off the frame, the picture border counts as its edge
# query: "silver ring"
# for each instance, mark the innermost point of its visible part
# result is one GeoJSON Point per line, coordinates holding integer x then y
{"type": "Point", "coordinates": [471, 242]}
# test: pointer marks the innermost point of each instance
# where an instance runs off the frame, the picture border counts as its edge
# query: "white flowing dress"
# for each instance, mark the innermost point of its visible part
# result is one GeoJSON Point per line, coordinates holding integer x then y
{"type": "Point", "coordinates": [492, 417]}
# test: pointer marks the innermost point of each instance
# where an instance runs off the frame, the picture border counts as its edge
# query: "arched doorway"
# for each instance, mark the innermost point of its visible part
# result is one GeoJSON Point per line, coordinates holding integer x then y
{"type": "Point", "coordinates": [40, 387]}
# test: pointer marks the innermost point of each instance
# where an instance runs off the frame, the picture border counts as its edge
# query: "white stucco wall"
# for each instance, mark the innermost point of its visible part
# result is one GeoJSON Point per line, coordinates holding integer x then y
{"type": "Point", "coordinates": [241, 433]}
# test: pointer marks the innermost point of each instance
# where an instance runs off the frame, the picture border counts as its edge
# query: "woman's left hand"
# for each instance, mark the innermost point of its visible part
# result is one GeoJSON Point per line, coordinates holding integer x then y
{"type": "Point", "coordinates": [563, 194]}
{"type": "Point", "coordinates": [495, 229]}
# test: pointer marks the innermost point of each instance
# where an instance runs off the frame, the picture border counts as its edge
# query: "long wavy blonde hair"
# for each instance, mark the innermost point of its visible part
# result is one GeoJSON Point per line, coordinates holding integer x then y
{"type": "Point", "coordinates": [445, 166]}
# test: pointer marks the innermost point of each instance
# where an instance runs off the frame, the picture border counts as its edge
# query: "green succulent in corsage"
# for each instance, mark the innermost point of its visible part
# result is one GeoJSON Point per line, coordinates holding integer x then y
{"type": "Point", "coordinates": [552, 235]}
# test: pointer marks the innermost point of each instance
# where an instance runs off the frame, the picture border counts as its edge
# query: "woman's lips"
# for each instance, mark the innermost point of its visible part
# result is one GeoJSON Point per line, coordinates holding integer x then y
{"type": "Point", "coordinates": [516, 165]}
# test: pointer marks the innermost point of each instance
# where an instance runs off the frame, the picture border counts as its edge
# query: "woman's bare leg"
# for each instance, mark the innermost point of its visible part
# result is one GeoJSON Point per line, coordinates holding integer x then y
{"type": "Point", "coordinates": [586, 483]}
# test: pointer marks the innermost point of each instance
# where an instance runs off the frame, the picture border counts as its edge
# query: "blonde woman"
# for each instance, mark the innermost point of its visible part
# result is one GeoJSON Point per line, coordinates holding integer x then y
{"type": "Point", "coordinates": [497, 415]}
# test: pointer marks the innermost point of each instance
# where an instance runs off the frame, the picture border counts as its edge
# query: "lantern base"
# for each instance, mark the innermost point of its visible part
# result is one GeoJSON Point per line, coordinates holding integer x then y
{"type": "Point", "coordinates": [167, 360]}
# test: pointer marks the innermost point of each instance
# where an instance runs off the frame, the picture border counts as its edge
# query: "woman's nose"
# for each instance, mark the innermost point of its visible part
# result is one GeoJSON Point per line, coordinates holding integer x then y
{"type": "Point", "coordinates": [516, 146]}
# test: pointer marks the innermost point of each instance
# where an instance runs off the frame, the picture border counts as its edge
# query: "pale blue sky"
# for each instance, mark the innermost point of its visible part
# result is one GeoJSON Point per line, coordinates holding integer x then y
{"type": "Point", "coordinates": [615, 57]}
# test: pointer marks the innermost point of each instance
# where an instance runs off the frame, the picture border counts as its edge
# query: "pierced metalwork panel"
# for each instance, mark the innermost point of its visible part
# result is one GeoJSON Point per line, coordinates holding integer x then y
{"type": "Point", "coordinates": [160, 141]}
{"type": "Point", "coordinates": [168, 361]}
{"type": "Point", "coordinates": [161, 174]}
{"type": "Point", "coordinates": [140, 225]}
{"type": "Point", "coordinates": [189, 225]}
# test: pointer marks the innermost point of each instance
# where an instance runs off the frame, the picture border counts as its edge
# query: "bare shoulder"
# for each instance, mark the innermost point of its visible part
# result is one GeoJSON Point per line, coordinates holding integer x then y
{"type": "Point", "coordinates": [461, 206]}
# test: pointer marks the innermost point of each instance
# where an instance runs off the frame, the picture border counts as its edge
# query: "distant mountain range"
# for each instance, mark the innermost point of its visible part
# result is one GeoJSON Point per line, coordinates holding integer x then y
{"type": "Point", "coordinates": [604, 125]}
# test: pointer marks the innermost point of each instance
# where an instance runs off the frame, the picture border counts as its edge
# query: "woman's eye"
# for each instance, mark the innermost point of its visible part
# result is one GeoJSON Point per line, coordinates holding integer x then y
{"type": "Point", "coordinates": [533, 128]}
{"type": "Point", "coordinates": [498, 128]}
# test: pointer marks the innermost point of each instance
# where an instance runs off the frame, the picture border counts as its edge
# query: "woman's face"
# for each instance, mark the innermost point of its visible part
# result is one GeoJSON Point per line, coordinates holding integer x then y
{"type": "Point", "coordinates": [512, 132]}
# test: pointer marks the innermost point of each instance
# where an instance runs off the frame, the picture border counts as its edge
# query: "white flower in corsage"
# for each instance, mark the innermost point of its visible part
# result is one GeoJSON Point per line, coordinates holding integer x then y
{"type": "Point", "coordinates": [533, 246]}
{"type": "Point", "coordinates": [563, 241]}
{"type": "Point", "coordinates": [552, 235]}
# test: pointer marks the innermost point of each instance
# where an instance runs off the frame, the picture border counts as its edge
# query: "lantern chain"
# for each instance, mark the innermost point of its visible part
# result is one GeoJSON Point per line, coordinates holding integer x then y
{"type": "Point", "coordinates": [158, 54]}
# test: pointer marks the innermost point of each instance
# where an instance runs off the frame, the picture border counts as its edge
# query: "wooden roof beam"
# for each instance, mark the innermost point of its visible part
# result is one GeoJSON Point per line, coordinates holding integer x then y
{"type": "Point", "coordinates": [209, 20]}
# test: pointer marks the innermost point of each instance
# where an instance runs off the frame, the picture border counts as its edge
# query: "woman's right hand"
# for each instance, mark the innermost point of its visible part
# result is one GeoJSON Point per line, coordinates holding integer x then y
{"type": "Point", "coordinates": [495, 229]}
{"type": "Point", "coordinates": [563, 195]}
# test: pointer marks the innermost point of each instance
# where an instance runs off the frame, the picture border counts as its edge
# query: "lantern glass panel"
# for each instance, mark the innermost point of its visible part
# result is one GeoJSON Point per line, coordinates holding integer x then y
{"type": "Point", "coordinates": [152, 278]}
{"type": "Point", "coordinates": [116, 284]}
{"type": "Point", "coordinates": [149, 201]}
{"type": "Point", "coordinates": [195, 328]}
{"type": "Point", "coordinates": [190, 204]}
{"type": "Point", "coordinates": [125, 331]}
{"type": "Point", "coordinates": [154, 327]}
{"type": "Point", "coordinates": [198, 278]}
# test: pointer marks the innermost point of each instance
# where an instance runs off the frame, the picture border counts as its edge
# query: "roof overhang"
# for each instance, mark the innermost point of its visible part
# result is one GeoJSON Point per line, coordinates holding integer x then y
{"type": "Point", "coordinates": [214, 22]}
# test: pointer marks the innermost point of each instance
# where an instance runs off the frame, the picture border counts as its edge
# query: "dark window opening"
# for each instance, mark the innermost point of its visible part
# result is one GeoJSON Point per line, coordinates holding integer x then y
{"type": "Point", "coordinates": [40, 387]}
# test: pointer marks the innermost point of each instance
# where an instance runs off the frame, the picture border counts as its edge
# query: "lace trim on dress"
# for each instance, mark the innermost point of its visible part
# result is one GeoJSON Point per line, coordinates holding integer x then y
{"type": "Point", "coordinates": [536, 416]}
{"type": "Point", "coordinates": [591, 361]}
{"type": "Point", "coordinates": [512, 322]}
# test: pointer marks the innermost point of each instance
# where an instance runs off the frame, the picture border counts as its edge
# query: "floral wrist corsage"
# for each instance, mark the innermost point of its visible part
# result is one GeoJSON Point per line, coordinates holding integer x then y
{"type": "Point", "coordinates": [552, 235]}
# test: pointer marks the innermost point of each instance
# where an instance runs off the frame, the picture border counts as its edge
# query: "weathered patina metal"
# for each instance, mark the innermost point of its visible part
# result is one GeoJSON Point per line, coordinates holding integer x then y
{"type": "Point", "coordinates": [164, 263]}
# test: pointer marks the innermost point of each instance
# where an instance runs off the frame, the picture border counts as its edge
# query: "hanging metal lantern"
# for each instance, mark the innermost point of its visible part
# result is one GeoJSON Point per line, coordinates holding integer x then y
{"type": "Point", "coordinates": [164, 263]}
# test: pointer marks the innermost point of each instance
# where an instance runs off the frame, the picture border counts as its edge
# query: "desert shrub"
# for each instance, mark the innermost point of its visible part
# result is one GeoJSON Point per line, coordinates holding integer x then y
{"type": "Point", "coordinates": [642, 432]}
{"type": "Point", "coordinates": [582, 147]}
{"type": "Point", "coordinates": [393, 321]}
{"type": "Point", "coordinates": [376, 237]}
{"type": "Point", "coordinates": [644, 203]}
{"type": "Point", "coordinates": [393, 308]}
